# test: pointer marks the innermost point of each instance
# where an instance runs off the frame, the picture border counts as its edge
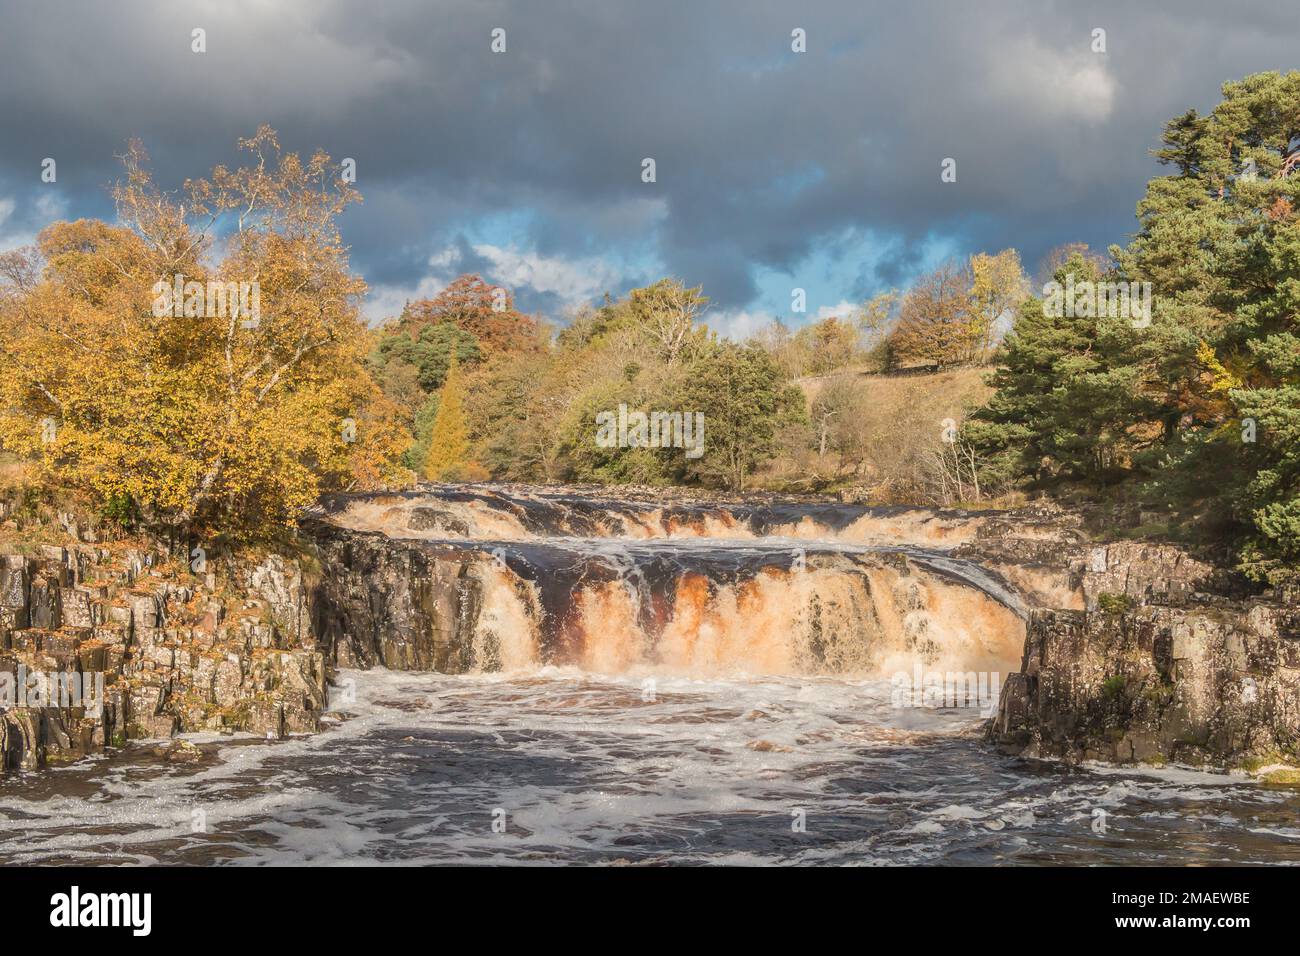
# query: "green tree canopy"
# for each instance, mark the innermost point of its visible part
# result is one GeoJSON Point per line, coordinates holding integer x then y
{"type": "Point", "coordinates": [1202, 404]}
{"type": "Point", "coordinates": [428, 353]}
{"type": "Point", "coordinates": [746, 401]}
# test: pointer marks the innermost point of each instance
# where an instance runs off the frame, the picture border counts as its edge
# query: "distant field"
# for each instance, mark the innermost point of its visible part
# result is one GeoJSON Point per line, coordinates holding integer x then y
{"type": "Point", "coordinates": [946, 392]}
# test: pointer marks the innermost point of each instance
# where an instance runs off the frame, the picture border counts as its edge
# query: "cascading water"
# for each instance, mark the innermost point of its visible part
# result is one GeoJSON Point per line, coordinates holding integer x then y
{"type": "Point", "coordinates": [631, 680]}
{"type": "Point", "coordinates": [714, 607]}
{"type": "Point", "coordinates": [708, 589]}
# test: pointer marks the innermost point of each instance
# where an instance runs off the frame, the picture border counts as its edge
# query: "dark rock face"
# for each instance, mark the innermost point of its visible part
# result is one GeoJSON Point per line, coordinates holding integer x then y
{"type": "Point", "coordinates": [388, 603]}
{"type": "Point", "coordinates": [1046, 554]}
{"type": "Point", "coordinates": [1215, 682]}
{"type": "Point", "coordinates": [1140, 652]}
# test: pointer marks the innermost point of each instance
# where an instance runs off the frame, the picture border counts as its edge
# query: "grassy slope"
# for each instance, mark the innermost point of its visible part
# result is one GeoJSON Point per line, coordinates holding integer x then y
{"type": "Point", "coordinates": [941, 392]}
{"type": "Point", "coordinates": [901, 418]}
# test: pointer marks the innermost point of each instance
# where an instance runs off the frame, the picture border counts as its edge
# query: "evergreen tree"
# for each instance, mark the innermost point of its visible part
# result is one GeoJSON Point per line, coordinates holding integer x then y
{"type": "Point", "coordinates": [1220, 242]}
{"type": "Point", "coordinates": [1067, 402]}
{"type": "Point", "coordinates": [429, 353]}
{"type": "Point", "coordinates": [1202, 403]}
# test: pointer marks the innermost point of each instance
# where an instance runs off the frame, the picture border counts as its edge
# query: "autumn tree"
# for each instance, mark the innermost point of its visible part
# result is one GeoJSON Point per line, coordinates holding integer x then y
{"type": "Point", "coordinates": [485, 311]}
{"type": "Point", "coordinates": [517, 410]}
{"type": "Point", "coordinates": [666, 318]}
{"type": "Point", "coordinates": [875, 322]}
{"type": "Point", "coordinates": [838, 413]}
{"type": "Point", "coordinates": [448, 456]}
{"type": "Point", "coordinates": [998, 287]}
{"type": "Point", "coordinates": [134, 369]}
{"type": "Point", "coordinates": [935, 318]}
{"type": "Point", "coordinates": [788, 351]}
{"type": "Point", "coordinates": [830, 344]}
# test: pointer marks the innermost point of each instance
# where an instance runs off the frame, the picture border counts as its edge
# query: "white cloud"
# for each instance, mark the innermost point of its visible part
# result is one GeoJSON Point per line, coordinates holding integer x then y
{"type": "Point", "coordinates": [50, 205]}
{"type": "Point", "coordinates": [1072, 85]}
{"type": "Point", "coordinates": [737, 324]}
{"type": "Point", "coordinates": [844, 309]}
{"type": "Point", "coordinates": [386, 301]}
{"type": "Point", "coordinates": [447, 259]}
{"type": "Point", "coordinates": [572, 280]}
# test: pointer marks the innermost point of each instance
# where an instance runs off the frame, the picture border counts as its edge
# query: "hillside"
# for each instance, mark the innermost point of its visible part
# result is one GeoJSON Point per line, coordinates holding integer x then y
{"type": "Point", "coordinates": [877, 436]}
{"type": "Point", "coordinates": [964, 386]}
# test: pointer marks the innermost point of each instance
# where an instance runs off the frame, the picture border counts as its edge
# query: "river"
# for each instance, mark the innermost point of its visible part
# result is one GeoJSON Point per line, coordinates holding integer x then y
{"type": "Point", "coordinates": [562, 766]}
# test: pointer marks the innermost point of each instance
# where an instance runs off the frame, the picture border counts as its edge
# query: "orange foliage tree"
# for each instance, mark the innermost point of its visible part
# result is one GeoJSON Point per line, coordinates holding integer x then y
{"type": "Point", "coordinates": [203, 361]}
{"type": "Point", "coordinates": [935, 321]}
{"type": "Point", "coordinates": [485, 311]}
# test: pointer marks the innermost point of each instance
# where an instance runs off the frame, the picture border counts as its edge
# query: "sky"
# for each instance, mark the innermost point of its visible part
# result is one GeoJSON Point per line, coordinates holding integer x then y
{"type": "Point", "coordinates": [774, 169]}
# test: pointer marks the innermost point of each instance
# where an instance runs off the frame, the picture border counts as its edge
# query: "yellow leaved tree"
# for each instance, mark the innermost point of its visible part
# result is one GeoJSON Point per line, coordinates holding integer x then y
{"type": "Point", "coordinates": [998, 287]}
{"type": "Point", "coordinates": [447, 458]}
{"type": "Point", "coordinates": [202, 359]}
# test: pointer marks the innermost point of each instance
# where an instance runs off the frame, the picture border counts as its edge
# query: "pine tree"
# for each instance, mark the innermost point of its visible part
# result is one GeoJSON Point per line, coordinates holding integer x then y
{"type": "Point", "coordinates": [448, 455]}
{"type": "Point", "coordinates": [1066, 400]}
{"type": "Point", "coordinates": [1203, 402]}
{"type": "Point", "coordinates": [1221, 242]}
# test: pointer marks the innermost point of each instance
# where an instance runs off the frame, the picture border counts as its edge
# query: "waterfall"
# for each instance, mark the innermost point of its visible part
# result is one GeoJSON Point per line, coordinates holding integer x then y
{"type": "Point", "coordinates": [498, 580]}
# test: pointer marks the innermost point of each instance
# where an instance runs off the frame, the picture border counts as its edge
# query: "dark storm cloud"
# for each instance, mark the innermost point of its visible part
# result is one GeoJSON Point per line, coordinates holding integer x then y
{"type": "Point", "coordinates": [764, 157]}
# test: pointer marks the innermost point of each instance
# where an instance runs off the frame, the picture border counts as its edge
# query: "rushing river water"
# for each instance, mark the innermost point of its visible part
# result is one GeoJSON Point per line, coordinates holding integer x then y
{"type": "Point", "coordinates": [563, 766]}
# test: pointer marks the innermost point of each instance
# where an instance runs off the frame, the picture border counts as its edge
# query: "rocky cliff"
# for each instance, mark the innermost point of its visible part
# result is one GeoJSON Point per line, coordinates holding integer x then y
{"type": "Point", "coordinates": [1161, 657]}
{"type": "Point", "coordinates": [384, 602]}
{"type": "Point", "coordinates": [1211, 682]}
{"type": "Point", "coordinates": [154, 650]}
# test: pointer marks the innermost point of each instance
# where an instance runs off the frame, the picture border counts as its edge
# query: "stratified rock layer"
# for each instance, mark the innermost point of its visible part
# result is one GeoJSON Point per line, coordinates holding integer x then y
{"type": "Point", "coordinates": [174, 653]}
{"type": "Point", "coordinates": [384, 602]}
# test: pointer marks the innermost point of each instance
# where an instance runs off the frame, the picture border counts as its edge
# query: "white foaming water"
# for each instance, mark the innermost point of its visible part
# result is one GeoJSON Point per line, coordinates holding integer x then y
{"type": "Point", "coordinates": [577, 767]}
{"type": "Point", "coordinates": [477, 512]}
